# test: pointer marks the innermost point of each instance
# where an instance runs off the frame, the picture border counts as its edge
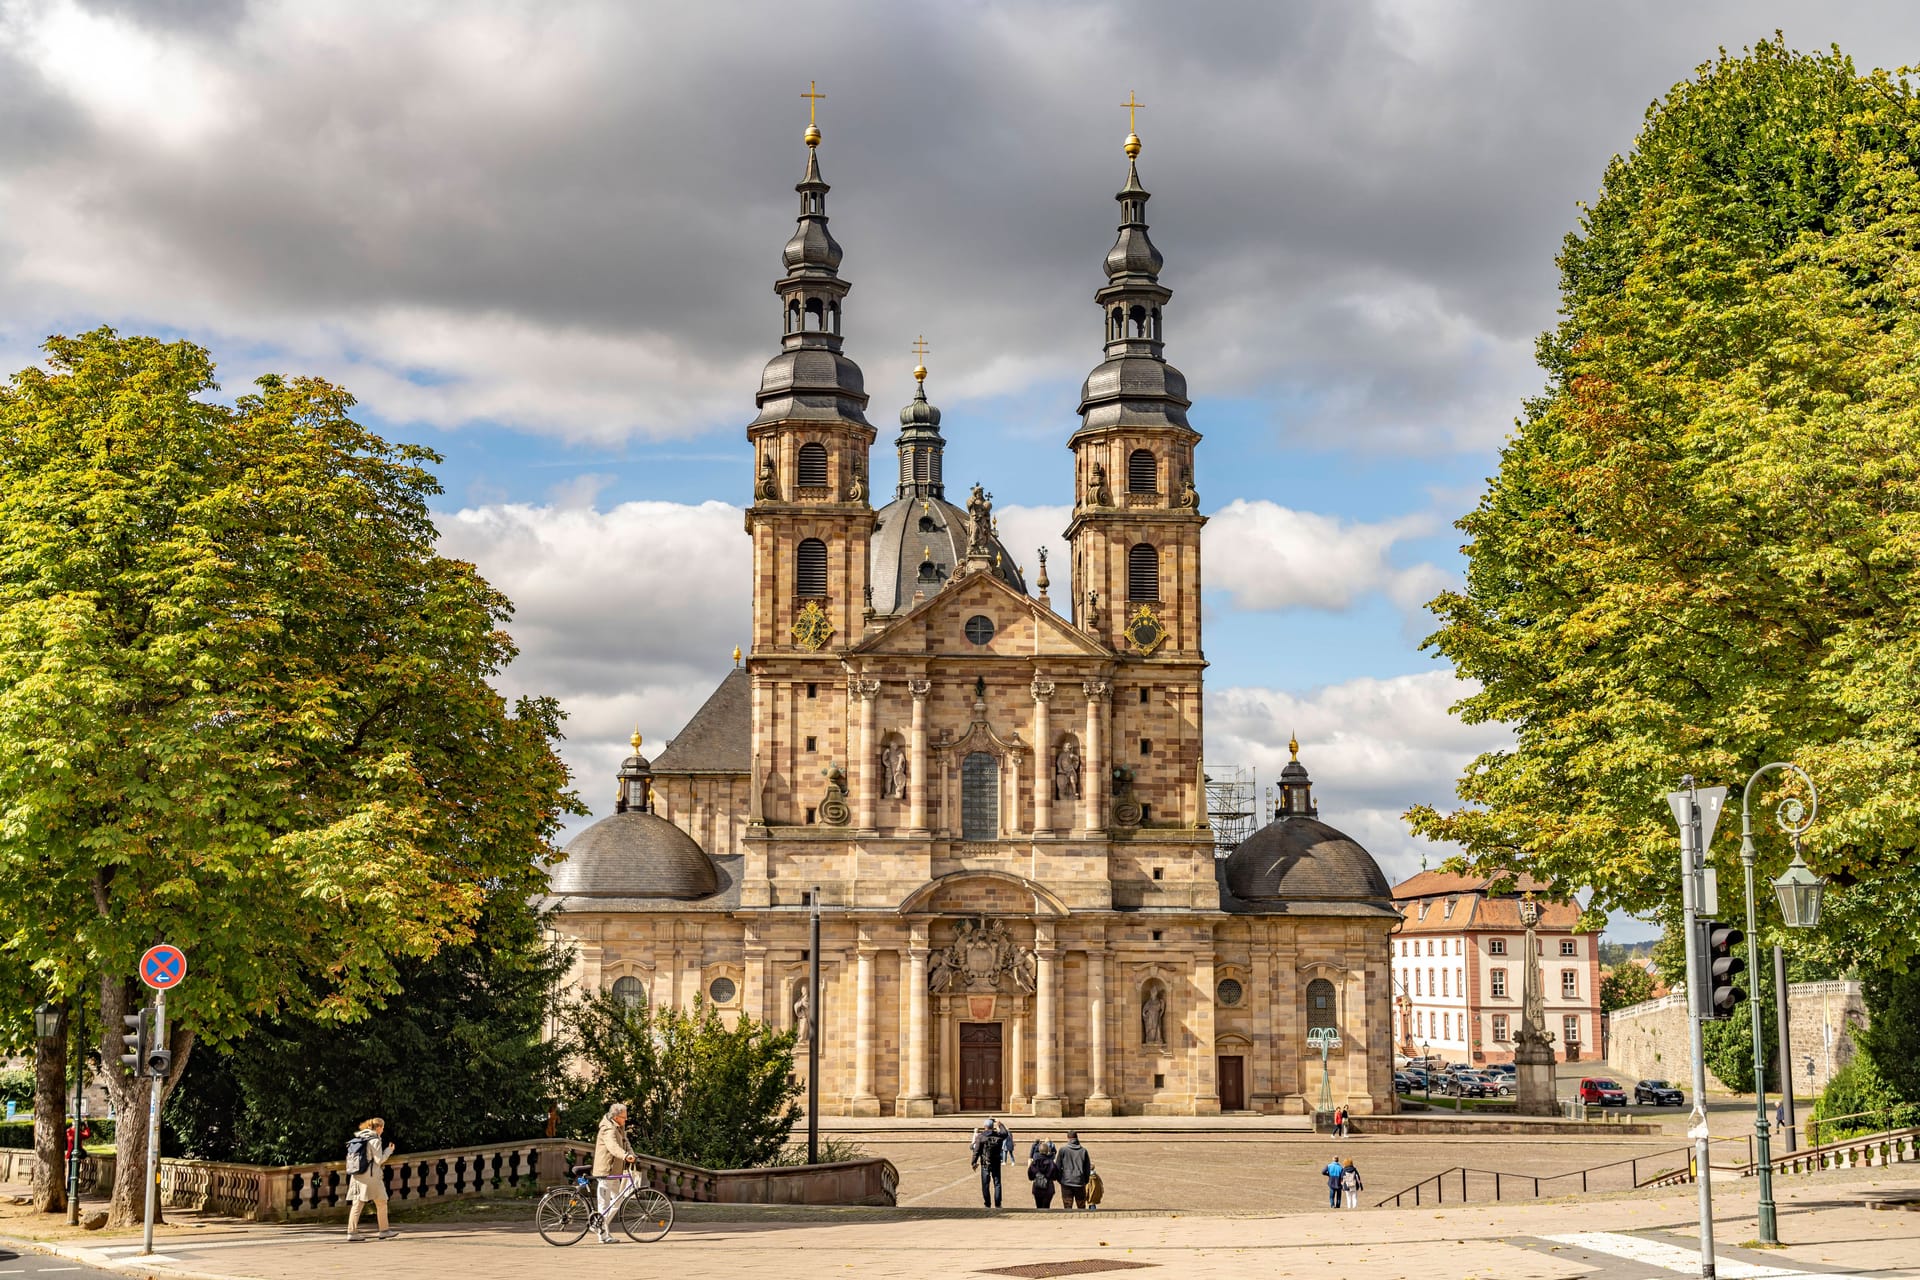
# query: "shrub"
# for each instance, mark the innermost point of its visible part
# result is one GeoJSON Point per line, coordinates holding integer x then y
{"type": "Point", "coordinates": [1857, 1090]}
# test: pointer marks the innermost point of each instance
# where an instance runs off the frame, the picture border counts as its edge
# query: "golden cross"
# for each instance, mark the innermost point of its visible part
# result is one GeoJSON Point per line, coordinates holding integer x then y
{"type": "Point", "coordinates": [1131, 107]}
{"type": "Point", "coordinates": [814, 96]}
{"type": "Point", "coordinates": [920, 348]}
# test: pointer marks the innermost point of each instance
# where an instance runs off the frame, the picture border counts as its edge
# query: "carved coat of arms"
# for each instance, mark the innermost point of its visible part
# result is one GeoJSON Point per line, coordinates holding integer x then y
{"type": "Point", "coordinates": [982, 957]}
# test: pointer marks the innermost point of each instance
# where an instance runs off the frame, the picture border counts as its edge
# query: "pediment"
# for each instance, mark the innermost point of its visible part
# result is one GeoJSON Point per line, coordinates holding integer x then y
{"type": "Point", "coordinates": [1022, 626]}
{"type": "Point", "coordinates": [983, 893]}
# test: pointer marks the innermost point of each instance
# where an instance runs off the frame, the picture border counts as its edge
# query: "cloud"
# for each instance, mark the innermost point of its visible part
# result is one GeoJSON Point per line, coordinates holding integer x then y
{"type": "Point", "coordinates": [1266, 556]}
{"type": "Point", "coordinates": [1374, 747]}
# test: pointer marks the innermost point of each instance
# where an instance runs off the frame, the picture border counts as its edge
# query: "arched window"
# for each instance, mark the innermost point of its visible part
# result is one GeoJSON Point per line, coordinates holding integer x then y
{"type": "Point", "coordinates": [814, 314]}
{"type": "Point", "coordinates": [813, 465]}
{"type": "Point", "coordinates": [1156, 324]}
{"type": "Point", "coordinates": [1143, 472]}
{"type": "Point", "coordinates": [833, 315]}
{"type": "Point", "coordinates": [1137, 316]}
{"type": "Point", "coordinates": [1320, 1004]}
{"type": "Point", "coordinates": [629, 993]}
{"type": "Point", "coordinates": [810, 569]}
{"type": "Point", "coordinates": [980, 797]}
{"type": "Point", "coordinates": [1143, 572]}
{"type": "Point", "coordinates": [1117, 324]}
{"type": "Point", "coordinates": [793, 316]}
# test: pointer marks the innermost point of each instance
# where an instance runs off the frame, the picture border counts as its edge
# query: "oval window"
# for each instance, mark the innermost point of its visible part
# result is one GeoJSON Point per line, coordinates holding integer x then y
{"type": "Point", "coordinates": [979, 628]}
{"type": "Point", "coordinates": [722, 991]}
{"type": "Point", "coordinates": [1230, 992]}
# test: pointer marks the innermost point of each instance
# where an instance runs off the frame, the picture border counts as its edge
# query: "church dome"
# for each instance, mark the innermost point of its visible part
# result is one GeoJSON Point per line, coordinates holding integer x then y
{"type": "Point", "coordinates": [1296, 857]}
{"type": "Point", "coordinates": [634, 855]}
{"type": "Point", "coordinates": [918, 544]}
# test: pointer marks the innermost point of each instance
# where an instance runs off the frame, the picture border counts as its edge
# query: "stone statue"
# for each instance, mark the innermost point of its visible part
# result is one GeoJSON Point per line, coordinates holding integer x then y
{"type": "Point", "coordinates": [982, 957]}
{"type": "Point", "coordinates": [893, 771]}
{"type": "Point", "coordinates": [940, 975]}
{"type": "Point", "coordinates": [1097, 491]}
{"type": "Point", "coordinates": [1066, 771]}
{"type": "Point", "coordinates": [1188, 497]}
{"type": "Point", "coordinates": [857, 491]}
{"type": "Point", "coordinates": [979, 522]}
{"type": "Point", "coordinates": [1153, 1016]}
{"type": "Point", "coordinates": [802, 1017]}
{"type": "Point", "coordinates": [1534, 1089]}
{"type": "Point", "coordinates": [768, 486]}
{"type": "Point", "coordinates": [1023, 971]}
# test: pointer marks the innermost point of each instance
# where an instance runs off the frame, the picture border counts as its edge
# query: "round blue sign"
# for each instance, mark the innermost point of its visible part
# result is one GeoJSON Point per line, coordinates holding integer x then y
{"type": "Point", "coordinates": [163, 966]}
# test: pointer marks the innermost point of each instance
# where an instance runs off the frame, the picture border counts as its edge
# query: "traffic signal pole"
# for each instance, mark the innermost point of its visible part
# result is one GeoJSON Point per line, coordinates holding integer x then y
{"type": "Point", "coordinates": [1692, 861]}
{"type": "Point", "coordinates": [153, 1117]}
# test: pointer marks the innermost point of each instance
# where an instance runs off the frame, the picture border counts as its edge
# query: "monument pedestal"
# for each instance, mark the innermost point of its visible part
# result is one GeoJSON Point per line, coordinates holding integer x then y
{"type": "Point", "coordinates": [1533, 1088]}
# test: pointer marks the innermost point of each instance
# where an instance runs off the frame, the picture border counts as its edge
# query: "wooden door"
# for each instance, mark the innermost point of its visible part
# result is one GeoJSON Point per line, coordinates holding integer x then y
{"type": "Point", "coordinates": [980, 1066]}
{"type": "Point", "coordinates": [1233, 1083]}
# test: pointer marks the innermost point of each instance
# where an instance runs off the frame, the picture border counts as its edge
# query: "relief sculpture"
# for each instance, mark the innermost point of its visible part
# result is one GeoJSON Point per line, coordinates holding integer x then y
{"type": "Point", "coordinates": [982, 957]}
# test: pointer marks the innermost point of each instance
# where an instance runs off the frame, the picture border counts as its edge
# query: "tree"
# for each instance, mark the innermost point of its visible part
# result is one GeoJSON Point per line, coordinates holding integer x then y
{"type": "Point", "coordinates": [456, 1058]}
{"type": "Point", "coordinates": [244, 706]}
{"type": "Point", "coordinates": [1891, 1036]}
{"type": "Point", "coordinates": [1700, 552]}
{"type": "Point", "coordinates": [1728, 1045]}
{"type": "Point", "coordinates": [1624, 984]}
{"type": "Point", "coordinates": [696, 1090]}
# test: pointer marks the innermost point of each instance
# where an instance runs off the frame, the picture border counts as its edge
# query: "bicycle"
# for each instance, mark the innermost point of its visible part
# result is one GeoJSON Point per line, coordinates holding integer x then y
{"type": "Point", "coordinates": [566, 1213]}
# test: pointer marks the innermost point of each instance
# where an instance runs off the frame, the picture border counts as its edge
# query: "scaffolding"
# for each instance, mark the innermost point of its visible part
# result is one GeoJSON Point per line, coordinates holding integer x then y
{"type": "Point", "coordinates": [1230, 805]}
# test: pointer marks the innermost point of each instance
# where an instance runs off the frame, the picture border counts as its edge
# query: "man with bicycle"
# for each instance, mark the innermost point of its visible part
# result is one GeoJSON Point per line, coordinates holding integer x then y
{"type": "Point", "coordinates": [612, 1157]}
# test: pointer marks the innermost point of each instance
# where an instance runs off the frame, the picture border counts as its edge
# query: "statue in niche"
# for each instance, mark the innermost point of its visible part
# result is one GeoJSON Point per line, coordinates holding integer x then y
{"type": "Point", "coordinates": [802, 1015]}
{"type": "Point", "coordinates": [1066, 771]}
{"type": "Point", "coordinates": [940, 975]}
{"type": "Point", "coordinates": [893, 771]}
{"type": "Point", "coordinates": [979, 522]}
{"type": "Point", "coordinates": [1153, 1015]}
{"type": "Point", "coordinates": [768, 487]}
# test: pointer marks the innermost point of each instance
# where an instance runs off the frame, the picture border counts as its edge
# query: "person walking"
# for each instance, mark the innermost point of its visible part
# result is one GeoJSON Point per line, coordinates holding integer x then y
{"type": "Point", "coordinates": [1336, 1177]}
{"type": "Point", "coordinates": [1042, 1173]}
{"type": "Point", "coordinates": [1350, 1184]}
{"type": "Point", "coordinates": [612, 1155]}
{"type": "Point", "coordinates": [1340, 1121]}
{"type": "Point", "coordinates": [1076, 1166]}
{"type": "Point", "coordinates": [366, 1153]}
{"type": "Point", "coordinates": [989, 1149]}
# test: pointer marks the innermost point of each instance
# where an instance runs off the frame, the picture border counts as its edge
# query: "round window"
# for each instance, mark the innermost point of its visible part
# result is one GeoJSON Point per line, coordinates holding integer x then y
{"type": "Point", "coordinates": [979, 628]}
{"type": "Point", "coordinates": [1229, 991]}
{"type": "Point", "coordinates": [722, 991]}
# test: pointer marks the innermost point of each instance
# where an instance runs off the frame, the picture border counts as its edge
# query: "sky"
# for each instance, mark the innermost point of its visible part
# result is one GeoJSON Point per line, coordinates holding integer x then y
{"type": "Point", "coordinates": [541, 238]}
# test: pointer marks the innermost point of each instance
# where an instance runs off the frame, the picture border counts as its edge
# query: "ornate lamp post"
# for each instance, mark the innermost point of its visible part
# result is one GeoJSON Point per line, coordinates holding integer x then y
{"type": "Point", "coordinates": [1799, 891]}
{"type": "Point", "coordinates": [1326, 1040]}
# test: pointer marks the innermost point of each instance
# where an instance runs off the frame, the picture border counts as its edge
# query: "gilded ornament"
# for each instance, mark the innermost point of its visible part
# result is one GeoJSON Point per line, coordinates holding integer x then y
{"type": "Point", "coordinates": [1144, 629]}
{"type": "Point", "coordinates": [813, 627]}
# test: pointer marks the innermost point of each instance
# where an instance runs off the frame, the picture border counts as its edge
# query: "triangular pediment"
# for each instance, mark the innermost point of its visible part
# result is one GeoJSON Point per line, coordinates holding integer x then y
{"type": "Point", "coordinates": [1022, 626]}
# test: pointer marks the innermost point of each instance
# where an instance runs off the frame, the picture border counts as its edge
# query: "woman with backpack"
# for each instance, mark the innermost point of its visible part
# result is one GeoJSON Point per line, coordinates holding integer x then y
{"type": "Point", "coordinates": [1350, 1184]}
{"type": "Point", "coordinates": [366, 1152]}
{"type": "Point", "coordinates": [1042, 1173]}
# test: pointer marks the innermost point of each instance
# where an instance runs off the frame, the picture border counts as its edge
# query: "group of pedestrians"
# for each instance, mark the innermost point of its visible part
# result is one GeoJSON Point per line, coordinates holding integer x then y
{"type": "Point", "coordinates": [1343, 1183]}
{"type": "Point", "coordinates": [1069, 1168]}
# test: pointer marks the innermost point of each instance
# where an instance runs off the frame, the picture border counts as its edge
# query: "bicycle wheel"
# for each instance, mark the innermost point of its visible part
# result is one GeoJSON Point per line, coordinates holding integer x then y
{"type": "Point", "coordinates": [562, 1216]}
{"type": "Point", "coordinates": [647, 1215]}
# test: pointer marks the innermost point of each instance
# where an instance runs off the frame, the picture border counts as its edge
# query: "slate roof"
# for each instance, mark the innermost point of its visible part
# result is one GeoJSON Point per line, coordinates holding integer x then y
{"type": "Point", "coordinates": [719, 738]}
{"type": "Point", "coordinates": [725, 898]}
{"type": "Point", "coordinates": [1296, 865]}
{"type": "Point", "coordinates": [634, 855]}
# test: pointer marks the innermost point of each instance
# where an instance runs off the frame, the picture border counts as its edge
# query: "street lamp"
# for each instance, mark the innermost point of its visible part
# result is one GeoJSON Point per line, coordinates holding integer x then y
{"type": "Point", "coordinates": [1426, 1057]}
{"type": "Point", "coordinates": [1799, 890]}
{"type": "Point", "coordinates": [47, 1019]}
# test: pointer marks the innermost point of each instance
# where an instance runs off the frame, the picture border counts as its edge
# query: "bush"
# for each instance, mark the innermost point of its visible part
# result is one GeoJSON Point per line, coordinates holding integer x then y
{"type": "Point", "coordinates": [1728, 1044]}
{"type": "Point", "coordinates": [1857, 1090]}
{"type": "Point", "coordinates": [16, 1085]}
{"type": "Point", "coordinates": [17, 1135]}
{"type": "Point", "coordinates": [696, 1091]}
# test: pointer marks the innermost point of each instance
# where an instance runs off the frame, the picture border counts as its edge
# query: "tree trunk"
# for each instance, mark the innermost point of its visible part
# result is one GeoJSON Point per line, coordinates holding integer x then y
{"type": "Point", "coordinates": [49, 1123]}
{"type": "Point", "coordinates": [132, 1096]}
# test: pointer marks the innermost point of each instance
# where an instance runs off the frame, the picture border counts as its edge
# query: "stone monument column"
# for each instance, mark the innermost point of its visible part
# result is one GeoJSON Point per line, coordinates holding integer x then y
{"type": "Point", "coordinates": [1534, 1093]}
{"type": "Point", "coordinates": [1098, 1103]}
{"type": "Point", "coordinates": [1093, 779]}
{"type": "Point", "coordinates": [1046, 1032]}
{"type": "Point", "coordinates": [1043, 757]}
{"type": "Point", "coordinates": [916, 1102]}
{"type": "Point", "coordinates": [919, 687]}
{"type": "Point", "coordinates": [864, 1102]}
{"type": "Point", "coordinates": [865, 777]}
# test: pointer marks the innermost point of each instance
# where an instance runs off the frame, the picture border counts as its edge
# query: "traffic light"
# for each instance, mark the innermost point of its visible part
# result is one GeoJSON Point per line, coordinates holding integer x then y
{"type": "Point", "coordinates": [158, 1060]}
{"type": "Point", "coordinates": [1723, 966]}
{"type": "Point", "coordinates": [135, 1040]}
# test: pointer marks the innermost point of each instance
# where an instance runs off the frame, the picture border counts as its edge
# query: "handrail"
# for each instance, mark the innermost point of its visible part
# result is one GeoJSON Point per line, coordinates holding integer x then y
{"type": "Point", "coordinates": [1813, 1126]}
{"type": "Point", "coordinates": [1537, 1181]}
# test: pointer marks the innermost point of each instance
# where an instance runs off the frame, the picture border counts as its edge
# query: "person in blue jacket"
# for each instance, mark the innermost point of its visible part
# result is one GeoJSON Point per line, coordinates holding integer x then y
{"type": "Point", "coordinates": [1335, 1171]}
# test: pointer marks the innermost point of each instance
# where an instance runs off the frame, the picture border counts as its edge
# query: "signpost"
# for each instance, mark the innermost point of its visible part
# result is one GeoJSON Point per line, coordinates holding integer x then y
{"type": "Point", "coordinates": [161, 968]}
{"type": "Point", "coordinates": [1697, 810]}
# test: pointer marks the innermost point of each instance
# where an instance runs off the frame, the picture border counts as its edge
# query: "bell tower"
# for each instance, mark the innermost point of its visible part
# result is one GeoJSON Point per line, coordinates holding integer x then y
{"type": "Point", "coordinates": [1135, 533]}
{"type": "Point", "coordinates": [810, 518]}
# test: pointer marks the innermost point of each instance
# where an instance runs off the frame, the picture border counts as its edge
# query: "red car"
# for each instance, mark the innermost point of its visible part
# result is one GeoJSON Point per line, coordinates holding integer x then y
{"type": "Point", "coordinates": [1598, 1092]}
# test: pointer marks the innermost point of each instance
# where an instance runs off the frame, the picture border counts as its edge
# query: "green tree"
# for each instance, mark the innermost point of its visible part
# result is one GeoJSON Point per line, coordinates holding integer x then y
{"type": "Point", "coordinates": [1728, 1044]}
{"type": "Point", "coordinates": [456, 1058]}
{"type": "Point", "coordinates": [697, 1091]}
{"type": "Point", "coordinates": [244, 705]}
{"type": "Point", "coordinates": [1891, 1037]}
{"type": "Point", "coordinates": [1859, 1100]}
{"type": "Point", "coordinates": [1624, 984]}
{"type": "Point", "coordinates": [1700, 551]}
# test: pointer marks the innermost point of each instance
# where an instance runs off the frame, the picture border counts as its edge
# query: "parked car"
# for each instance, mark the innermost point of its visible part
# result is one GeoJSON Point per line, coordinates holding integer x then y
{"type": "Point", "coordinates": [1469, 1084]}
{"type": "Point", "coordinates": [1506, 1069]}
{"type": "Point", "coordinates": [1403, 1083]}
{"type": "Point", "coordinates": [1596, 1091]}
{"type": "Point", "coordinates": [1416, 1077]}
{"type": "Point", "coordinates": [1658, 1093]}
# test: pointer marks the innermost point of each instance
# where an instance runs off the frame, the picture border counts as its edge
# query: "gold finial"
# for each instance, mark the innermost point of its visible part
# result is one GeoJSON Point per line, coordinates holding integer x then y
{"type": "Point", "coordinates": [813, 97]}
{"type": "Point", "coordinates": [926, 506]}
{"type": "Point", "coordinates": [653, 799]}
{"type": "Point", "coordinates": [736, 655]}
{"type": "Point", "coordinates": [1293, 745]}
{"type": "Point", "coordinates": [635, 739]}
{"type": "Point", "coordinates": [920, 350]}
{"type": "Point", "coordinates": [1133, 138]}
{"type": "Point", "coordinates": [926, 553]}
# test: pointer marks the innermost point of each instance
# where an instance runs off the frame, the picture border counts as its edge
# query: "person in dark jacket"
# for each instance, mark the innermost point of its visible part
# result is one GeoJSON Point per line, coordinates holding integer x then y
{"type": "Point", "coordinates": [1336, 1176]}
{"type": "Point", "coordinates": [989, 1146]}
{"type": "Point", "coordinates": [1075, 1166]}
{"type": "Point", "coordinates": [1042, 1173]}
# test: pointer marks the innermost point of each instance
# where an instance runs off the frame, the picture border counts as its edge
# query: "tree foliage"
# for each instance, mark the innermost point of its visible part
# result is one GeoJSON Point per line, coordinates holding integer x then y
{"type": "Point", "coordinates": [1728, 1043]}
{"type": "Point", "coordinates": [1624, 984]}
{"type": "Point", "coordinates": [1701, 552]}
{"type": "Point", "coordinates": [244, 705]}
{"type": "Point", "coordinates": [1891, 1037]}
{"type": "Point", "coordinates": [456, 1058]}
{"type": "Point", "coordinates": [1859, 1100]}
{"type": "Point", "coordinates": [696, 1090]}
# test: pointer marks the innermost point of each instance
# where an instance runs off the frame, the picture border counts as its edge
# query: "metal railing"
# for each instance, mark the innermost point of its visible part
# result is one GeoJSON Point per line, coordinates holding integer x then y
{"type": "Point", "coordinates": [1458, 1184]}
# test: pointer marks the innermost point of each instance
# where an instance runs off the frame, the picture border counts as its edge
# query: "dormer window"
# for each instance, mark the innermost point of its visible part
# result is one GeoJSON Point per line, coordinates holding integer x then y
{"type": "Point", "coordinates": [1447, 913]}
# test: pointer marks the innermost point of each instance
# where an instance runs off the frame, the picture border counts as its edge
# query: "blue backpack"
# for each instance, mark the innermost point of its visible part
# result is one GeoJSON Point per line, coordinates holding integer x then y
{"type": "Point", "coordinates": [358, 1160]}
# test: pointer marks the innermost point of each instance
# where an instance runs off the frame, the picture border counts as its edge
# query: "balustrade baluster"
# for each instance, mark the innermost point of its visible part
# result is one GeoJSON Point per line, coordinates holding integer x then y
{"type": "Point", "coordinates": [440, 1177]}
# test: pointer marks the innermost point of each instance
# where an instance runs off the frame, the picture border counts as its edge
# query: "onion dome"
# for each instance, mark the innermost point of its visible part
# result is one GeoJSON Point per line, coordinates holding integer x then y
{"type": "Point", "coordinates": [634, 854]}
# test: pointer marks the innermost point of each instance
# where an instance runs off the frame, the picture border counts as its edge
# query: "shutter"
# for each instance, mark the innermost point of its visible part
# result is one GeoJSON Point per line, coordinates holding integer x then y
{"type": "Point", "coordinates": [1143, 472]}
{"type": "Point", "coordinates": [810, 569]}
{"type": "Point", "coordinates": [1143, 572]}
{"type": "Point", "coordinates": [813, 466]}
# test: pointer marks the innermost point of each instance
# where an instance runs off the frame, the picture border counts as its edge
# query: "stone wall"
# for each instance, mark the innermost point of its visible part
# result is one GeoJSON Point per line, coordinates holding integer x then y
{"type": "Point", "coordinates": [1648, 1041]}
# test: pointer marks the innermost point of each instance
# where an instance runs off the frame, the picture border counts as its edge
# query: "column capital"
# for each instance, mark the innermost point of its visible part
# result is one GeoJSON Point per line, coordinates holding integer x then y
{"type": "Point", "coordinates": [1098, 690]}
{"type": "Point", "coordinates": [919, 687]}
{"type": "Point", "coordinates": [918, 935]}
{"type": "Point", "coordinates": [862, 687]}
{"type": "Point", "coordinates": [1042, 689]}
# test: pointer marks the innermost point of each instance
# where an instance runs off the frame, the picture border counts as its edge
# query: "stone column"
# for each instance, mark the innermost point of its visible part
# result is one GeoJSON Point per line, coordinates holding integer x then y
{"type": "Point", "coordinates": [1098, 1102]}
{"type": "Point", "coordinates": [1262, 1090]}
{"type": "Point", "coordinates": [1017, 1058]}
{"type": "Point", "coordinates": [919, 687]}
{"type": "Point", "coordinates": [865, 773]}
{"type": "Point", "coordinates": [916, 1102]}
{"type": "Point", "coordinates": [1206, 1093]}
{"type": "Point", "coordinates": [865, 1102]}
{"type": "Point", "coordinates": [1093, 782]}
{"type": "Point", "coordinates": [1046, 1092]}
{"type": "Point", "coordinates": [1042, 757]}
{"type": "Point", "coordinates": [753, 993]}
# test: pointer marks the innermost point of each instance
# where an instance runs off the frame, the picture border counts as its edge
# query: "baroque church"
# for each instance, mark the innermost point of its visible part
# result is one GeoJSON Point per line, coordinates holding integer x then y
{"type": "Point", "coordinates": [999, 801]}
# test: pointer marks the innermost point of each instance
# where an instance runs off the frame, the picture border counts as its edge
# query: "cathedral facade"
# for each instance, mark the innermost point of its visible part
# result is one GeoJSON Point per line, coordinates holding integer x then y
{"type": "Point", "coordinates": [997, 801]}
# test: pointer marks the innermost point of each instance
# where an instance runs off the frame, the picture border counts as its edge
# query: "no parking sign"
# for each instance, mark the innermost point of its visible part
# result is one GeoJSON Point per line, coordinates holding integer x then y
{"type": "Point", "coordinates": [163, 967]}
